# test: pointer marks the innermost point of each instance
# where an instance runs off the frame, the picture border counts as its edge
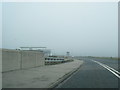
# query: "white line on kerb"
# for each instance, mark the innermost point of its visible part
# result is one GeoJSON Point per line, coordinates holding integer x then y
{"type": "Point", "coordinates": [115, 72]}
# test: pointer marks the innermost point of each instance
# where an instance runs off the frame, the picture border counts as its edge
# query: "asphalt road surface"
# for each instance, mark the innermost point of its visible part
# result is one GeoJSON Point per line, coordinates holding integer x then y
{"type": "Point", "coordinates": [94, 73]}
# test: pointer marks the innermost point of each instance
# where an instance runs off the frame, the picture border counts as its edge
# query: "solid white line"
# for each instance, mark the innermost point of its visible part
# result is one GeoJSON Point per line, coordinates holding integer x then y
{"type": "Point", "coordinates": [108, 68]}
{"type": "Point", "coordinates": [113, 69]}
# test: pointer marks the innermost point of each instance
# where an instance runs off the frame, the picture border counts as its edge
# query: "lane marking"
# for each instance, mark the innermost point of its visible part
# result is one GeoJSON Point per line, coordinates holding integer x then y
{"type": "Point", "coordinates": [115, 72]}
{"type": "Point", "coordinates": [113, 69]}
{"type": "Point", "coordinates": [107, 66]}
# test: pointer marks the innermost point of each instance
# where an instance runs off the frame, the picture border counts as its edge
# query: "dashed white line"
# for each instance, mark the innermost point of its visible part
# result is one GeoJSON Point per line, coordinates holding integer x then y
{"type": "Point", "coordinates": [115, 72]}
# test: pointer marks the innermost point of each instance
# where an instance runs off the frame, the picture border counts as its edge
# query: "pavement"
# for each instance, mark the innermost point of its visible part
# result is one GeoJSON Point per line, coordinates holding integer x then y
{"type": "Point", "coordinates": [40, 77]}
{"type": "Point", "coordinates": [93, 75]}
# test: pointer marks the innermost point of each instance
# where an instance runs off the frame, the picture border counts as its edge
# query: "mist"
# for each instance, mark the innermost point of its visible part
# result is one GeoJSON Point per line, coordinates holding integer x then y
{"type": "Point", "coordinates": [83, 29]}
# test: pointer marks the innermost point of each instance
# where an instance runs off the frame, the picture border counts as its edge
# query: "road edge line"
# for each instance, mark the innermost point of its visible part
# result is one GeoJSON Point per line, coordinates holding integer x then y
{"type": "Point", "coordinates": [105, 66]}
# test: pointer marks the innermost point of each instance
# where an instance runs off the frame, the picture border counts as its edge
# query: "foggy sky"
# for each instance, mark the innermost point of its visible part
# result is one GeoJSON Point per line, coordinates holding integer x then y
{"type": "Point", "coordinates": [81, 28]}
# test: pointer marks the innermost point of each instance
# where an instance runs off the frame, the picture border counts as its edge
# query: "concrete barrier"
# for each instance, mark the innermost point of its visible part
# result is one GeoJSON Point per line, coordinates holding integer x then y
{"type": "Point", "coordinates": [10, 60]}
{"type": "Point", "coordinates": [40, 60]}
{"type": "Point", "coordinates": [31, 59]}
{"type": "Point", "coordinates": [28, 59]}
{"type": "Point", "coordinates": [16, 59]}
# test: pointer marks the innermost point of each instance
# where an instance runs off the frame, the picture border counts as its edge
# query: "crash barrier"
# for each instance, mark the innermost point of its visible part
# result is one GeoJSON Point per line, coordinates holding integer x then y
{"type": "Point", "coordinates": [50, 61]}
{"type": "Point", "coordinates": [19, 59]}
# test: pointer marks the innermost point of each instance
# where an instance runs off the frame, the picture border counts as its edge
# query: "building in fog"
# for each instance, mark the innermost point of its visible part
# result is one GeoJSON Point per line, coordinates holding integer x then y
{"type": "Point", "coordinates": [47, 52]}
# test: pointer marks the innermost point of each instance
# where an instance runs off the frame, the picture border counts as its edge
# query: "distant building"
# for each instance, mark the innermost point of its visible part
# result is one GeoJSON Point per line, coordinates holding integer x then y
{"type": "Point", "coordinates": [46, 52]}
{"type": "Point", "coordinates": [67, 53]}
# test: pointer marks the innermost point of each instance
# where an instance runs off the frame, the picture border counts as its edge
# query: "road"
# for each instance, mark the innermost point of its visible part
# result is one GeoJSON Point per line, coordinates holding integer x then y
{"type": "Point", "coordinates": [94, 74]}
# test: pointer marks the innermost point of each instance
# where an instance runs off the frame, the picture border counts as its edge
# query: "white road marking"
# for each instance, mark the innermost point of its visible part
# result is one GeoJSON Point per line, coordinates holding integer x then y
{"type": "Point", "coordinates": [115, 72]}
{"type": "Point", "coordinates": [113, 69]}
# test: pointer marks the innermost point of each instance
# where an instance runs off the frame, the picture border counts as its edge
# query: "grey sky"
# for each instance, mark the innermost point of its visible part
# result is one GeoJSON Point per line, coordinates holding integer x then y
{"type": "Point", "coordinates": [81, 28]}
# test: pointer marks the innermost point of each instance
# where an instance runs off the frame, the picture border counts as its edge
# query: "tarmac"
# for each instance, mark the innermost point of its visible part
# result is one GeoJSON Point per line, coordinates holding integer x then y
{"type": "Point", "coordinates": [40, 77]}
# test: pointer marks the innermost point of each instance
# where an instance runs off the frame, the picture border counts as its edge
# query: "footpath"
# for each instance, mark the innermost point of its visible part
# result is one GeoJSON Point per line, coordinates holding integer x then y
{"type": "Point", "coordinates": [40, 77]}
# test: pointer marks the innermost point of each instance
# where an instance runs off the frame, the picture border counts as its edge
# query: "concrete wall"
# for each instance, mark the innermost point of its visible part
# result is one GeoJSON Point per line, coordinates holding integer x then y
{"type": "Point", "coordinates": [10, 60]}
{"type": "Point", "coordinates": [16, 59]}
{"type": "Point", "coordinates": [40, 59]}
{"type": "Point", "coordinates": [32, 59]}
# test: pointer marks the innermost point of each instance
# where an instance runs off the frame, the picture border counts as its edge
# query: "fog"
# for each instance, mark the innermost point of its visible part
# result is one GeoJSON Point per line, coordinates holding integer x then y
{"type": "Point", "coordinates": [85, 29]}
